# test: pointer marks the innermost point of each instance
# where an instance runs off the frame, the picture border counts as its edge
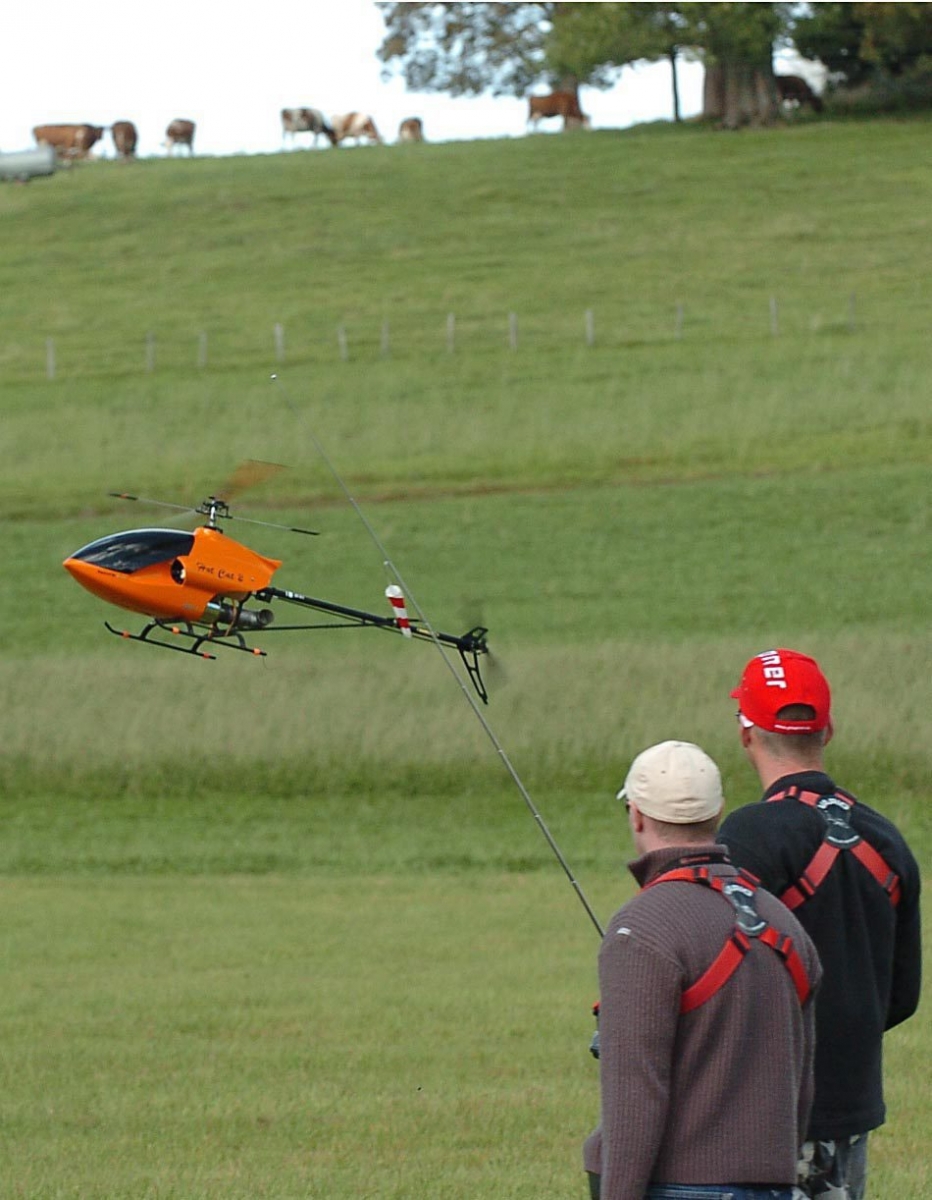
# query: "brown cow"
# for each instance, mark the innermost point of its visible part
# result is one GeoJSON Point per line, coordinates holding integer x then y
{"type": "Point", "coordinates": [124, 138]}
{"type": "Point", "coordinates": [557, 104]}
{"type": "Point", "coordinates": [794, 90]}
{"type": "Point", "coordinates": [411, 130]}
{"type": "Point", "coordinates": [355, 125]}
{"type": "Point", "coordinates": [68, 141]}
{"type": "Point", "coordinates": [306, 120]}
{"type": "Point", "coordinates": [180, 133]}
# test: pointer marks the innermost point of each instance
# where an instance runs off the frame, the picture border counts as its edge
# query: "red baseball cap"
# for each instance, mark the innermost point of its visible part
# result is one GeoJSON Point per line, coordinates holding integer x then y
{"type": "Point", "coordinates": [776, 678]}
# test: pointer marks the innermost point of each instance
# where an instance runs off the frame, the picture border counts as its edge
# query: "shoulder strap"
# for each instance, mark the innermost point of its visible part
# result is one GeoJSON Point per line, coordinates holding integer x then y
{"type": "Point", "coordinates": [740, 892]}
{"type": "Point", "coordinates": [839, 835]}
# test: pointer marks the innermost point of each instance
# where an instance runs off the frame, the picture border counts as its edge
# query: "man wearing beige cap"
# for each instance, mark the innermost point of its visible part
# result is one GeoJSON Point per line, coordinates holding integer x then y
{"type": "Point", "coordinates": [706, 1031]}
{"type": "Point", "coordinates": [847, 873]}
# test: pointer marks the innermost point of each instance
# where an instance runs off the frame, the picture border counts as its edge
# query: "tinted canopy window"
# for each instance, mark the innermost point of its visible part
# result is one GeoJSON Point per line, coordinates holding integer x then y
{"type": "Point", "coordinates": [128, 552]}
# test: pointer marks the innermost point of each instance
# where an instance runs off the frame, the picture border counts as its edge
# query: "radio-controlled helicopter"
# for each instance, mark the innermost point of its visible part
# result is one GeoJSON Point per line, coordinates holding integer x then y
{"type": "Point", "coordinates": [195, 586]}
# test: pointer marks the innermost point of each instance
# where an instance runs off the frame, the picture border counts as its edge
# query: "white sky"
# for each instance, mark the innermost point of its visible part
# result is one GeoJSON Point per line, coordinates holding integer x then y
{"type": "Point", "coordinates": [231, 68]}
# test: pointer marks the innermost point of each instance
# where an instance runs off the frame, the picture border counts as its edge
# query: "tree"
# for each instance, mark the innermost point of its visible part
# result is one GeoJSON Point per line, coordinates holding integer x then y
{"type": "Point", "coordinates": [594, 41]}
{"type": "Point", "coordinates": [832, 33]}
{"type": "Point", "coordinates": [470, 48]}
{"type": "Point", "coordinates": [734, 40]}
{"type": "Point", "coordinates": [862, 41]}
{"type": "Point", "coordinates": [466, 49]}
{"type": "Point", "coordinates": [738, 43]}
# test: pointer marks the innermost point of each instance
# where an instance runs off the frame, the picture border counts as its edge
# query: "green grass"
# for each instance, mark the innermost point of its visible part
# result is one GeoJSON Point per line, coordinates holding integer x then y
{"type": "Point", "coordinates": [198, 1038]}
{"type": "Point", "coordinates": [258, 904]}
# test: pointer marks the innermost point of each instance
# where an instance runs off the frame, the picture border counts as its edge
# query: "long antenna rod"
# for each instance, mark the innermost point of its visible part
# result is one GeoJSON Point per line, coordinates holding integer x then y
{"type": "Point", "coordinates": [480, 716]}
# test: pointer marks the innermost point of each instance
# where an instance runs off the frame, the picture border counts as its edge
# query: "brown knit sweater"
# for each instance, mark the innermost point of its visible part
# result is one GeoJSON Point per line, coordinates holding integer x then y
{"type": "Point", "coordinates": [721, 1094]}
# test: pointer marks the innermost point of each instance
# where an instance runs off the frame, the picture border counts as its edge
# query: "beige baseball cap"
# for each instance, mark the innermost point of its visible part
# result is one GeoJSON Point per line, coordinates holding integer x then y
{"type": "Point", "coordinates": [675, 782]}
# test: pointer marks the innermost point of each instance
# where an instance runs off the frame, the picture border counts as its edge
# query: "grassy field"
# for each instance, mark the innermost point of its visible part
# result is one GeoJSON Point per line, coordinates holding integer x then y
{"type": "Point", "coordinates": [284, 927]}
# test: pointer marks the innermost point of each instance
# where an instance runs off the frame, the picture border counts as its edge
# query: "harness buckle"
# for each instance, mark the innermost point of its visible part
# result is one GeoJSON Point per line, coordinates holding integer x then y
{"type": "Point", "coordinates": [835, 812]}
{"type": "Point", "coordinates": [741, 898]}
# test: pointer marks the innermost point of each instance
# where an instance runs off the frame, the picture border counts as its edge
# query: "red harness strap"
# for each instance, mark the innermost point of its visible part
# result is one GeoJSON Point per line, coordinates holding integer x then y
{"type": "Point", "coordinates": [839, 835]}
{"type": "Point", "coordinates": [739, 891]}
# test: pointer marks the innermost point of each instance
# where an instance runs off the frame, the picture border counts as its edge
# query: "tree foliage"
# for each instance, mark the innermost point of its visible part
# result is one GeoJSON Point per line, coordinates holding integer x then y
{"type": "Point", "coordinates": [466, 49]}
{"type": "Point", "coordinates": [508, 49]}
{"type": "Point", "coordinates": [594, 41]}
{"type": "Point", "coordinates": [859, 41]}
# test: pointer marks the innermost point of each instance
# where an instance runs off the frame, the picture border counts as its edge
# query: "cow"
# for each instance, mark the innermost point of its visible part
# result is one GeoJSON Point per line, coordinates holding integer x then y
{"type": "Point", "coordinates": [306, 120]}
{"type": "Point", "coordinates": [180, 133]}
{"type": "Point", "coordinates": [557, 104]}
{"type": "Point", "coordinates": [794, 90]}
{"type": "Point", "coordinates": [411, 129]}
{"type": "Point", "coordinates": [124, 138]}
{"type": "Point", "coordinates": [68, 141]}
{"type": "Point", "coordinates": [355, 125]}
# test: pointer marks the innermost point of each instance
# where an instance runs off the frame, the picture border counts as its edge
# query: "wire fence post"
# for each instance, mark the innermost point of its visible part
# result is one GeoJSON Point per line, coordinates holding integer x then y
{"type": "Point", "coordinates": [202, 349]}
{"type": "Point", "coordinates": [451, 332]}
{"type": "Point", "coordinates": [385, 347]}
{"type": "Point", "coordinates": [774, 318]}
{"type": "Point", "coordinates": [342, 343]}
{"type": "Point", "coordinates": [513, 330]}
{"type": "Point", "coordinates": [678, 326]}
{"type": "Point", "coordinates": [50, 358]}
{"type": "Point", "coordinates": [150, 351]}
{"type": "Point", "coordinates": [851, 313]}
{"type": "Point", "coordinates": [590, 327]}
{"type": "Point", "coordinates": [279, 334]}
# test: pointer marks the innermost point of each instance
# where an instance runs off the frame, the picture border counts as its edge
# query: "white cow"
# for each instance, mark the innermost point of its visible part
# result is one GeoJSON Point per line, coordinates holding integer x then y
{"type": "Point", "coordinates": [306, 120]}
{"type": "Point", "coordinates": [355, 125]}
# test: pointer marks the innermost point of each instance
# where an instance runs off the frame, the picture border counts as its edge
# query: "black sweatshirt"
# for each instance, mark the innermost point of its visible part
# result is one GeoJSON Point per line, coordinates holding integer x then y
{"type": "Point", "coordinates": [870, 951]}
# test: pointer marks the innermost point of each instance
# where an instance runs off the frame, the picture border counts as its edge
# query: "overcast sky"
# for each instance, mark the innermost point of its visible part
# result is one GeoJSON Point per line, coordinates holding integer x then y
{"type": "Point", "coordinates": [231, 68]}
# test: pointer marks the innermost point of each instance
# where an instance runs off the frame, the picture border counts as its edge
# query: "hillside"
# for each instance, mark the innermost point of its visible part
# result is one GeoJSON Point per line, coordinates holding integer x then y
{"type": "Point", "coordinates": [717, 271]}
{"type": "Point", "coordinates": [749, 409]}
{"type": "Point", "coordinates": [644, 404]}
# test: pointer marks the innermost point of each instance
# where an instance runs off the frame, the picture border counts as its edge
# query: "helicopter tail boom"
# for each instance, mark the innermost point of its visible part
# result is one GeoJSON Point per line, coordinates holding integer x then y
{"type": "Point", "coordinates": [470, 645]}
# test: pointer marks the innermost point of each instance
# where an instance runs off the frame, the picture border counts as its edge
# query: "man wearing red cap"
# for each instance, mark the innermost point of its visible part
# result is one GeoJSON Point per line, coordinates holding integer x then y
{"type": "Point", "coordinates": [848, 875]}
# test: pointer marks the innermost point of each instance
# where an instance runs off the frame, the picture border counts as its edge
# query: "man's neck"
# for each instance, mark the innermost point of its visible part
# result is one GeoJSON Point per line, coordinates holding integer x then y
{"type": "Point", "coordinates": [770, 769]}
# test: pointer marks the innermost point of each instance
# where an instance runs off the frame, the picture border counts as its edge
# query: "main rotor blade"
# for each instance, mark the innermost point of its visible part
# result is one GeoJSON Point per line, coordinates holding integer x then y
{"type": "Point", "coordinates": [185, 508]}
{"type": "Point", "coordinates": [273, 525]}
{"type": "Point", "coordinates": [247, 475]}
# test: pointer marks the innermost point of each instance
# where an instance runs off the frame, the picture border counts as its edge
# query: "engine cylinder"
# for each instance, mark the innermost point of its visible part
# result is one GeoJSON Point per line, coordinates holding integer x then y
{"type": "Point", "coordinates": [219, 613]}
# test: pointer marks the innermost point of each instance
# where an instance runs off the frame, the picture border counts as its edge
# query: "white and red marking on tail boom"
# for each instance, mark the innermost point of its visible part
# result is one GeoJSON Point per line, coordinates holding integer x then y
{"type": "Point", "coordinates": [397, 601]}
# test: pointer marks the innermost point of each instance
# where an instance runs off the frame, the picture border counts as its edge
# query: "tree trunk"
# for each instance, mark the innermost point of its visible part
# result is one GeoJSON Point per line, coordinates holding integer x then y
{"type": "Point", "coordinates": [738, 94]}
{"type": "Point", "coordinates": [676, 86]}
{"type": "Point", "coordinates": [713, 92]}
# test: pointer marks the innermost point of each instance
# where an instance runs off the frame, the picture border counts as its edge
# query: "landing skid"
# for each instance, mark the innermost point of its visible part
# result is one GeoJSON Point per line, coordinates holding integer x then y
{"type": "Point", "coordinates": [231, 641]}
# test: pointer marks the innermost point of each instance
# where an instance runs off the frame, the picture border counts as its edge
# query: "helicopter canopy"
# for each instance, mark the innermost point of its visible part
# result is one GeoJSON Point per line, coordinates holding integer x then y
{"type": "Point", "coordinates": [135, 549]}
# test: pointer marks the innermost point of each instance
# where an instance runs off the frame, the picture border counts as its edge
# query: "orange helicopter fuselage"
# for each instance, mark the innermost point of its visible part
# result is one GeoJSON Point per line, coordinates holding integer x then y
{"type": "Point", "coordinates": [169, 574]}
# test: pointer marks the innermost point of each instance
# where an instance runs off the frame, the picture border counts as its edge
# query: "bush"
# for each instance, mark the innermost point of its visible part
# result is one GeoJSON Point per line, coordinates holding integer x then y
{"type": "Point", "coordinates": [909, 92]}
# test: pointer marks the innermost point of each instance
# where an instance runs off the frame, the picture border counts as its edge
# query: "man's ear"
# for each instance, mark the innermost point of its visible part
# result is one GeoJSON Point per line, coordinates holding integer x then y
{"type": "Point", "coordinates": [829, 732]}
{"type": "Point", "coordinates": [746, 736]}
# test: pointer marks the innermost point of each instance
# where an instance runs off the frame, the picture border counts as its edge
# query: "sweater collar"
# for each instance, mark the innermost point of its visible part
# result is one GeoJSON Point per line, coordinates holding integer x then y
{"type": "Point", "coordinates": [655, 862]}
